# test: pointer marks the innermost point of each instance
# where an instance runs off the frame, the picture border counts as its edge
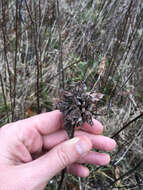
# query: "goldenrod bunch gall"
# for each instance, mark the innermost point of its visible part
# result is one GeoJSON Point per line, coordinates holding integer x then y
{"type": "Point", "coordinates": [77, 107]}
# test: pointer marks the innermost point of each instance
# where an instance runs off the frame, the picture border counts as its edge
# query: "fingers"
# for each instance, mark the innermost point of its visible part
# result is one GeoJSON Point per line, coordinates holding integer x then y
{"type": "Point", "coordinates": [95, 158]}
{"type": "Point", "coordinates": [58, 158]}
{"type": "Point", "coordinates": [45, 123]}
{"type": "Point", "coordinates": [78, 170]}
{"type": "Point", "coordinates": [97, 128]}
{"type": "Point", "coordinates": [98, 141]}
{"type": "Point", "coordinates": [60, 136]}
{"type": "Point", "coordinates": [50, 122]}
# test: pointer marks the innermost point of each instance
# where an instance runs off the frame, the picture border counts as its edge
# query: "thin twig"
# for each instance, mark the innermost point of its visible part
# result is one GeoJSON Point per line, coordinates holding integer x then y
{"type": "Point", "coordinates": [29, 12]}
{"type": "Point", "coordinates": [5, 49]}
{"type": "Point", "coordinates": [124, 154]}
{"type": "Point", "coordinates": [113, 91]}
{"type": "Point", "coordinates": [126, 174]}
{"type": "Point", "coordinates": [39, 41]}
{"type": "Point", "coordinates": [15, 63]}
{"type": "Point", "coordinates": [67, 67]}
{"type": "Point", "coordinates": [4, 97]}
{"type": "Point", "coordinates": [126, 125]}
{"type": "Point", "coordinates": [120, 34]}
{"type": "Point", "coordinates": [60, 70]}
{"type": "Point", "coordinates": [37, 59]}
{"type": "Point", "coordinates": [60, 65]}
{"type": "Point", "coordinates": [21, 16]}
{"type": "Point", "coordinates": [64, 170]}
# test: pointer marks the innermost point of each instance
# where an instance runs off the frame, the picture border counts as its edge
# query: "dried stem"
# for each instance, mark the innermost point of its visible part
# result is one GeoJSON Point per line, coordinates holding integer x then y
{"type": "Point", "coordinates": [60, 70]}
{"type": "Point", "coordinates": [126, 125]}
{"type": "Point", "coordinates": [64, 170]}
{"type": "Point", "coordinates": [126, 174]}
{"type": "Point", "coordinates": [120, 34]}
{"type": "Point", "coordinates": [15, 62]}
{"type": "Point", "coordinates": [130, 145]}
{"type": "Point", "coordinates": [4, 32]}
{"type": "Point", "coordinates": [34, 29]}
{"type": "Point", "coordinates": [60, 65]}
{"type": "Point", "coordinates": [112, 94]}
{"type": "Point", "coordinates": [64, 69]}
{"type": "Point", "coordinates": [39, 41]}
{"type": "Point", "coordinates": [4, 97]}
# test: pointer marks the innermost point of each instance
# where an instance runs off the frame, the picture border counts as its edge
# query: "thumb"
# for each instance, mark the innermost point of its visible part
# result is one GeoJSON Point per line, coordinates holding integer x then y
{"type": "Point", "coordinates": [62, 155]}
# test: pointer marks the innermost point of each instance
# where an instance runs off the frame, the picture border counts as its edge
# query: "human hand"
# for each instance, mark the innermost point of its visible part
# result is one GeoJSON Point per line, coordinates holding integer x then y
{"type": "Point", "coordinates": [25, 165]}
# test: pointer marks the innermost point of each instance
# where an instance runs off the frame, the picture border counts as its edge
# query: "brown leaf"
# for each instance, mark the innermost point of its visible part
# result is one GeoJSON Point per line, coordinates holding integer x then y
{"type": "Point", "coordinates": [117, 175]}
{"type": "Point", "coordinates": [102, 66]}
{"type": "Point", "coordinates": [30, 112]}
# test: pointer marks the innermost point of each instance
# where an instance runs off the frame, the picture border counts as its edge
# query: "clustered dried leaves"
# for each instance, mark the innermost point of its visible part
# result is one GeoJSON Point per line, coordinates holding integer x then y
{"type": "Point", "coordinates": [77, 106]}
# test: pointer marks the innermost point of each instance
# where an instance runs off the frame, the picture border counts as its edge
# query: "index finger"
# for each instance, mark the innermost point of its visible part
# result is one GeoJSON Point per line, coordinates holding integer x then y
{"type": "Point", "coordinates": [44, 123]}
{"type": "Point", "coordinates": [97, 127]}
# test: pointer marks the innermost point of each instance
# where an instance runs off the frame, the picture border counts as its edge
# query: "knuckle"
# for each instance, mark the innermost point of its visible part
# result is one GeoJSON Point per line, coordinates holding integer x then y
{"type": "Point", "coordinates": [64, 157]}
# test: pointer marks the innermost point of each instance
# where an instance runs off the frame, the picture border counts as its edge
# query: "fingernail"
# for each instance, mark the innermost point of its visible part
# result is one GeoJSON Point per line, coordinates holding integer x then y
{"type": "Point", "coordinates": [82, 147]}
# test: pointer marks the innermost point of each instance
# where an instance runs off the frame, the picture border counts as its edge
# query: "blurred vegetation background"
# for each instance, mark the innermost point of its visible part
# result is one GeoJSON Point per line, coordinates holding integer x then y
{"type": "Point", "coordinates": [98, 41]}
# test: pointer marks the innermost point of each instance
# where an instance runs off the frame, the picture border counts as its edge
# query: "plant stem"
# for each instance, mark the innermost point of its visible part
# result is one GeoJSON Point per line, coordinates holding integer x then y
{"type": "Point", "coordinates": [15, 63]}
{"type": "Point", "coordinates": [64, 170]}
{"type": "Point", "coordinates": [4, 97]}
{"type": "Point", "coordinates": [34, 27]}
{"type": "Point", "coordinates": [60, 65]}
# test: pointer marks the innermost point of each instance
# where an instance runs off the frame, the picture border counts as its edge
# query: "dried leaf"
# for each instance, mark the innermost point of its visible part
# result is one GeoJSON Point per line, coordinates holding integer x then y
{"type": "Point", "coordinates": [117, 175]}
{"type": "Point", "coordinates": [102, 66]}
{"type": "Point", "coordinates": [30, 112]}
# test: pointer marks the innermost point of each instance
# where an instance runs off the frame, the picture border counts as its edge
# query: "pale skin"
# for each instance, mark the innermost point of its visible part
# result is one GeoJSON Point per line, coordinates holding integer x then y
{"type": "Point", "coordinates": [25, 166]}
